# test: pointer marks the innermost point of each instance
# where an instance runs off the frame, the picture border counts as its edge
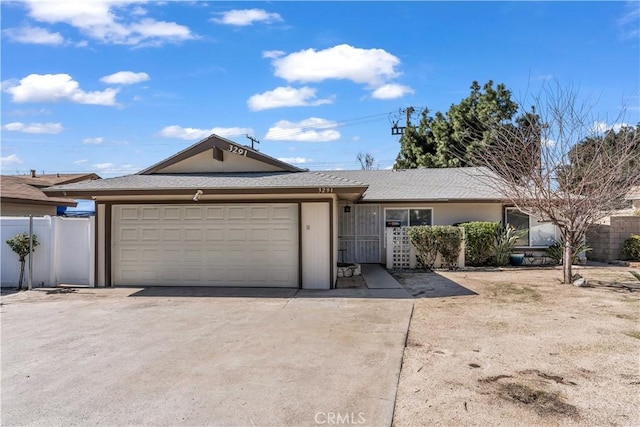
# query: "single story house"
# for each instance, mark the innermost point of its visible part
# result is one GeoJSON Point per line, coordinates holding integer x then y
{"type": "Point", "coordinates": [222, 214]}
{"type": "Point", "coordinates": [22, 195]}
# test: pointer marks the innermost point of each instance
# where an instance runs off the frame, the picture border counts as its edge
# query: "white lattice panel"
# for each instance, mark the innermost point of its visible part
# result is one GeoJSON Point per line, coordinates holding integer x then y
{"type": "Point", "coordinates": [398, 249]}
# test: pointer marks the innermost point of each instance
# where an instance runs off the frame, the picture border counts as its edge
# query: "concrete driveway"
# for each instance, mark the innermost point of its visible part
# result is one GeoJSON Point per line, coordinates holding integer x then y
{"type": "Point", "coordinates": [199, 357]}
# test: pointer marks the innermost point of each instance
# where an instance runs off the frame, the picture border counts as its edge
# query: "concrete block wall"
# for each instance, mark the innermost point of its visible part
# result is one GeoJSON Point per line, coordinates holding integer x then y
{"type": "Point", "coordinates": [607, 240]}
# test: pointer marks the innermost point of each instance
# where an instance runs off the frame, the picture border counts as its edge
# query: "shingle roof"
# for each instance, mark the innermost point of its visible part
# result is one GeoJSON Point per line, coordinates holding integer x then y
{"type": "Point", "coordinates": [424, 184]}
{"type": "Point", "coordinates": [18, 188]}
{"type": "Point", "coordinates": [217, 181]}
{"type": "Point", "coordinates": [383, 185]}
{"type": "Point", "coordinates": [634, 193]}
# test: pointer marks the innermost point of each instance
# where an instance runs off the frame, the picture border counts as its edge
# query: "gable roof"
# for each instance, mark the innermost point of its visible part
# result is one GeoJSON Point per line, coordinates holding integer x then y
{"type": "Point", "coordinates": [437, 184]}
{"type": "Point", "coordinates": [221, 150]}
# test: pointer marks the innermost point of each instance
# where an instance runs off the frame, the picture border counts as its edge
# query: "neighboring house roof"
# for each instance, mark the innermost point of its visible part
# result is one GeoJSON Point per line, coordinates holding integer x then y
{"type": "Point", "coordinates": [27, 189]}
{"type": "Point", "coordinates": [634, 193]}
{"type": "Point", "coordinates": [437, 184]}
{"type": "Point", "coordinates": [217, 183]}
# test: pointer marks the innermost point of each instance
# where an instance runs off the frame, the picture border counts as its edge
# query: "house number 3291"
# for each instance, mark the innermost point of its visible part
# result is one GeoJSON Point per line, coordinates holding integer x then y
{"type": "Point", "coordinates": [325, 190]}
{"type": "Point", "coordinates": [237, 150]}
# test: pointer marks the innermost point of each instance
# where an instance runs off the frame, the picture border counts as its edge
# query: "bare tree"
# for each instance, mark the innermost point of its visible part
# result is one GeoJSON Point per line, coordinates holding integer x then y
{"type": "Point", "coordinates": [544, 174]}
{"type": "Point", "coordinates": [367, 161]}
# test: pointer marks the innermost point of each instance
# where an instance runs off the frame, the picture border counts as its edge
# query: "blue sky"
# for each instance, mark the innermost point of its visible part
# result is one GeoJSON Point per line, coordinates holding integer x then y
{"type": "Point", "coordinates": [113, 87]}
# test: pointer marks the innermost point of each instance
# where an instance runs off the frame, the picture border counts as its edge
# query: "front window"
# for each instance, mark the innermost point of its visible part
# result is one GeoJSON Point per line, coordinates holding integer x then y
{"type": "Point", "coordinates": [408, 217]}
{"type": "Point", "coordinates": [538, 233]}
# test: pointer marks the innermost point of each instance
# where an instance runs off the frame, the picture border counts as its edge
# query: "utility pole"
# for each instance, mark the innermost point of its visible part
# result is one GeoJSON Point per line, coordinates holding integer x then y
{"type": "Point", "coordinates": [399, 130]}
{"type": "Point", "coordinates": [253, 140]}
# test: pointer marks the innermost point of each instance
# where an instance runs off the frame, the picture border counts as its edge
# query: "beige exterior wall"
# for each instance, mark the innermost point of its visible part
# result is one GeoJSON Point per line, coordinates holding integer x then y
{"type": "Point", "coordinates": [606, 240]}
{"type": "Point", "coordinates": [204, 162]}
{"type": "Point", "coordinates": [23, 209]}
{"type": "Point", "coordinates": [101, 244]}
{"type": "Point", "coordinates": [446, 214]}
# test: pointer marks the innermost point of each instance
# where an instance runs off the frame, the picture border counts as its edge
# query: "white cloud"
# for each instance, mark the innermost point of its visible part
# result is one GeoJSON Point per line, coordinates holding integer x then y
{"type": "Point", "coordinates": [125, 78]}
{"type": "Point", "coordinates": [33, 35]}
{"type": "Point", "coordinates": [313, 129]}
{"type": "Point", "coordinates": [112, 168]}
{"type": "Point", "coordinates": [272, 53]}
{"type": "Point", "coordinates": [79, 162]}
{"type": "Point", "coordinates": [176, 131]}
{"type": "Point", "coordinates": [10, 160]}
{"type": "Point", "coordinates": [95, 141]}
{"type": "Point", "coordinates": [602, 127]}
{"type": "Point", "coordinates": [55, 88]}
{"type": "Point", "coordinates": [246, 17]}
{"type": "Point", "coordinates": [50, 128]}
{"type": "Point", "coordinates": [285, 97]}
{"type": "Point", "coordinates": [295, 160]}
{"type": "Point", "coordinates": [391, 91]}
{"type": "Point", "coordinates": [628, 23]}
{"type": "Point", "coordinates": [373, 67]}
{"type": "Point", "coordinates": [109, 21]}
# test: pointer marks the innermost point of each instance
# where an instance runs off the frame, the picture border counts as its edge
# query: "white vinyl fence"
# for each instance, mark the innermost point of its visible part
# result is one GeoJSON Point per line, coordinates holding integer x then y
{"type": "Point", "coordinates": [64, 256]}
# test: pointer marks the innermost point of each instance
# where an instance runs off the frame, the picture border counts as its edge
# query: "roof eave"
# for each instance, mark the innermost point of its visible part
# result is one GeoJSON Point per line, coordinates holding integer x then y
{"type": "Point", "coordinates": [53, 202]}
{"type": "Point", "coordinates": [207, 191]}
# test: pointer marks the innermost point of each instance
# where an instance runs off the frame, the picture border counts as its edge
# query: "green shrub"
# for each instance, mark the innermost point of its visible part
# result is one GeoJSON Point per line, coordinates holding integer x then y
{"type": "Point", "coordinates": [479, 239]}
{"type": "Point", "coordinates": [424, 239]}
{"type": "Point", "coordinates": [556, 251]}
{"type": "Point", "coordinates": [449, 242]}
{"type": "Point", "coordinates": [631, 248]}
{"type": "Point", "coordinates": [431, 240]}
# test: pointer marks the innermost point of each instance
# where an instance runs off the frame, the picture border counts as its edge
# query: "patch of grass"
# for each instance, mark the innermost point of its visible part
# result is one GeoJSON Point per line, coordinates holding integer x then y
{"type": "Point", "coordinates": [633, 334]}
{"type": "Point", "coordinates": [543, 402]}
{"type": "Point", "coordinates": [626, 316]}
{"type": "Point", "coordinates": [515, 292]}
{"type": "Point", "coordinates": [494, 378]}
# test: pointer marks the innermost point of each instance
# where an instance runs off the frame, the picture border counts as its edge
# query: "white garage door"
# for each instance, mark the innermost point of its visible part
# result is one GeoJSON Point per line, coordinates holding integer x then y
{"type": "Point", "coordinates": [206, 245]}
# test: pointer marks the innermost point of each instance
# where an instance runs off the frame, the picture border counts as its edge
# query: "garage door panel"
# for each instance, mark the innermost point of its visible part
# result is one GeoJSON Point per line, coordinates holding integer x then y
{"type": "Point", "coordinates": [286, 213]}
{"type": "Point", "coordinates": [215, 234]}
{"type": "Point", "coordinates": [193, 234]}
{"type": "Point", "coordinates": [214, 213]}
{"type": "Point", "coordinates": [236, 213]}
{"type": "Point", "coordinates": [150, 213]}
{"type": "Point", "coordinates": [171, 234]}
{"type": "Point", "coordinates": [259, 213]}
{"type": "Point", "coordinates": [283, 234]}
{"type": "Point", "coordinates": [171, 213]}
{"type": "Point", "coordinates": [222, 245]}
{"type": "Point", "coordinates": [128, 233]}
{"type": "Point", "coordinates": [150, 234]}
{"type": "Point", "coordinates": [128, 213]}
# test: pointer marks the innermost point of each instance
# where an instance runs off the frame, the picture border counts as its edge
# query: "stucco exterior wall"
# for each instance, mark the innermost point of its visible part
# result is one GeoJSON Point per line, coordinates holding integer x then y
{"type": "Point", "coordinates": [25, 209]}
{"type": "Point", "coordinates": [607, 239]}
{"type": "Point", "coordinates": [445, 213]}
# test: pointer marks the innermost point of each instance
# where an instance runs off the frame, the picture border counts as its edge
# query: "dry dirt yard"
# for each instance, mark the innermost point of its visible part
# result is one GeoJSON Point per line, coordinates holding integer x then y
{"type": "Point", "coordinates": [526, 350]}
